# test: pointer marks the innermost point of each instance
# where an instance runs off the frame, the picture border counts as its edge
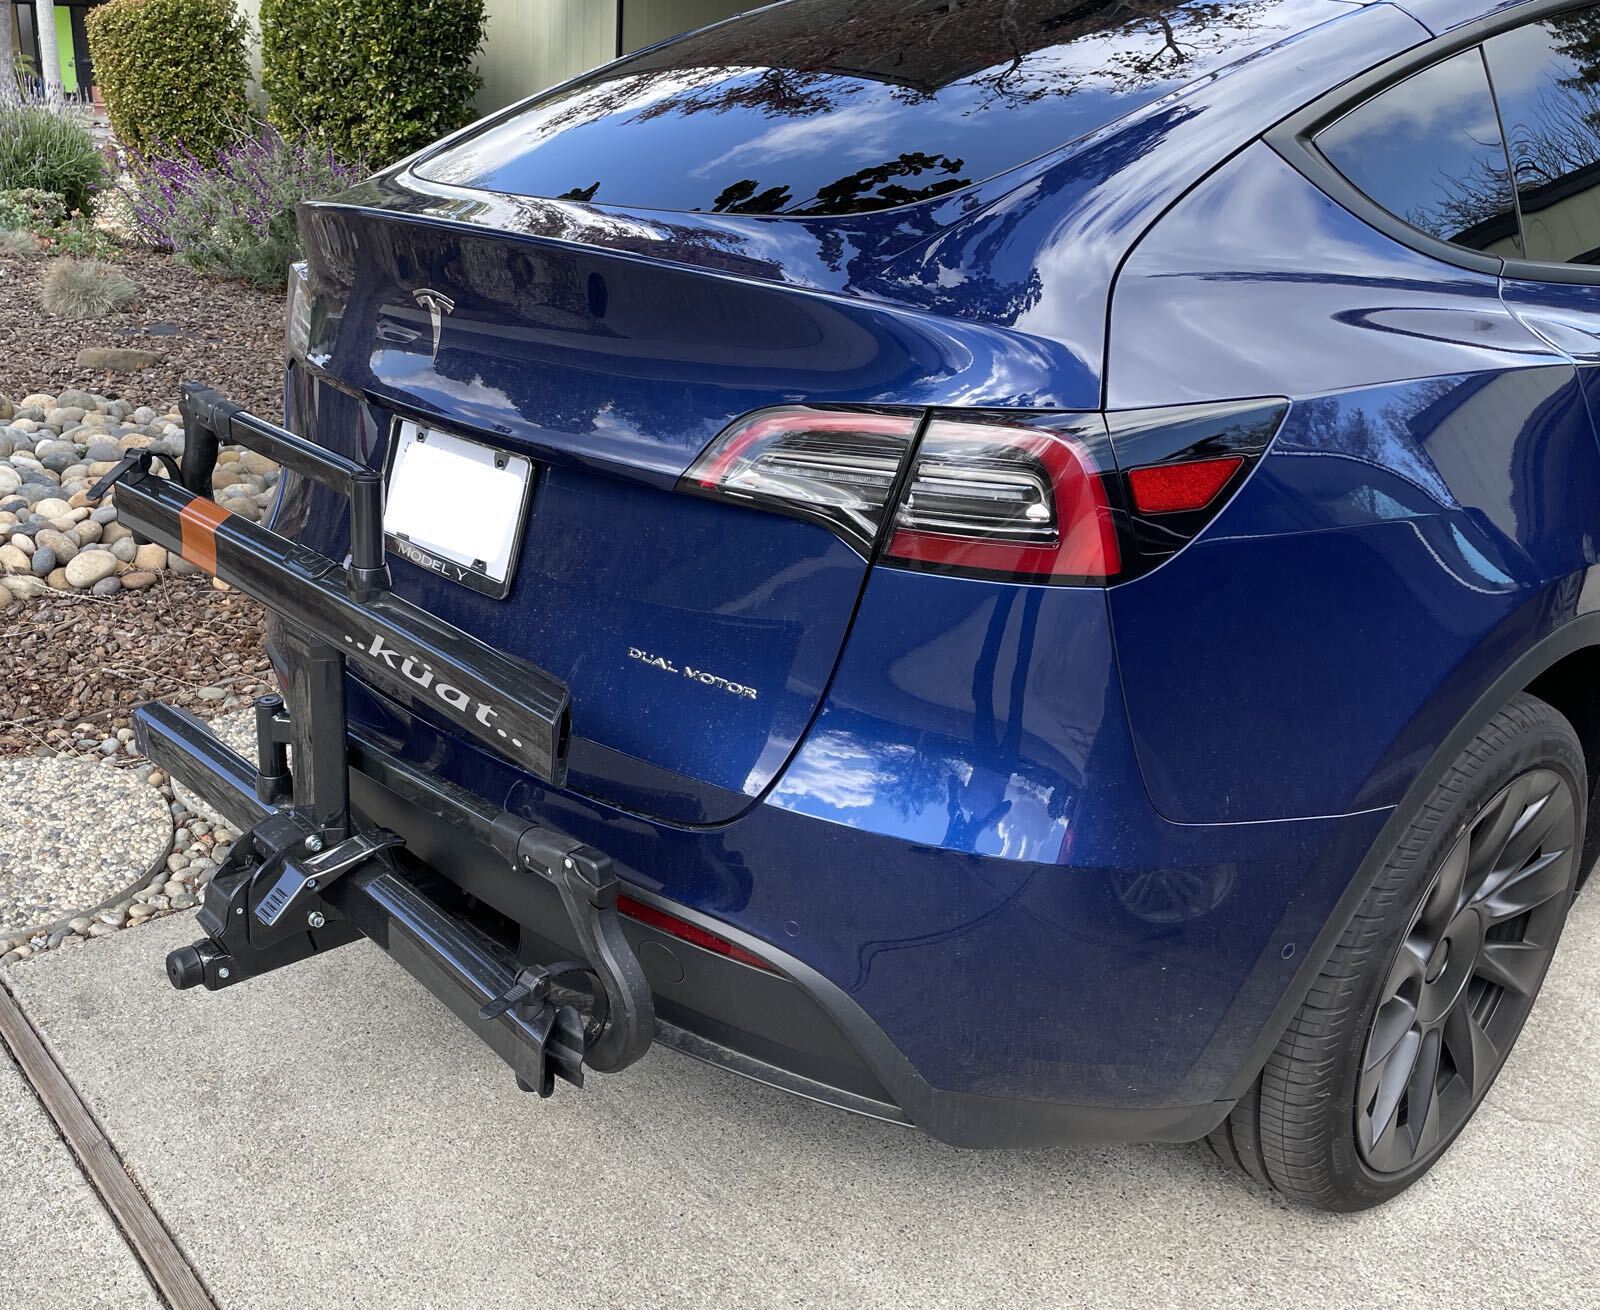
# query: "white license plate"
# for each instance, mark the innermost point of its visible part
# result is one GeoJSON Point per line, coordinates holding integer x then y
{"type": "Point", "coordinates": [456, 507]}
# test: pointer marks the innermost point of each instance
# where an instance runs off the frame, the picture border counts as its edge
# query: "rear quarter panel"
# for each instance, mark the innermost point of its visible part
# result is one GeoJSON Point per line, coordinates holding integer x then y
{"type": "Point", "coordinates": [1422, 518]}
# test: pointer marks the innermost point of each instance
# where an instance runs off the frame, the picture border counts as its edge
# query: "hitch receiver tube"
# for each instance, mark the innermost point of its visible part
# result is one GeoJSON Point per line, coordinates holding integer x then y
{"type": "Point", "coordinates": [390, 905]}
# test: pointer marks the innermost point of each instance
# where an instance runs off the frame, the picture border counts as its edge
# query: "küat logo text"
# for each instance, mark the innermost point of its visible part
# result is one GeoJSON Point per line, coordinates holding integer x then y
{"type": "Point", "coordinates": [416, 670]}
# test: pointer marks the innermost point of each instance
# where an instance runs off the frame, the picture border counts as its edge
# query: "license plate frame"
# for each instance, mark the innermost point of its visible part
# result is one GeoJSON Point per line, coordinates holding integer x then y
{"type": "Point", "coordinates": [453, 562]}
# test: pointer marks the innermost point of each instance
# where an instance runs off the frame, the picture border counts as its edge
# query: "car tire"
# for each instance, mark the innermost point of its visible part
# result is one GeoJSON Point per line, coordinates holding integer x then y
{"type": "Point", "coordinates": [1416, 1009]}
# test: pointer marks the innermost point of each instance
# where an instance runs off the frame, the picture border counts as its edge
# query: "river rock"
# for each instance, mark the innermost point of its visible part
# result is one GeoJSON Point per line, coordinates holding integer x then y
{"type": "Point", "coordinates": [117, 359]}
{"type": "Point", "coordinates": [63, 546]}
{"type": "Point", "coordinates": [89, 567]}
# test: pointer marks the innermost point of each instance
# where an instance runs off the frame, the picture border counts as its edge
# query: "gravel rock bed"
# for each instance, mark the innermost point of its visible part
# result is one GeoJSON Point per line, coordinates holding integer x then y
{"type": "Point", "coordinates": [74, 669]}
{"type": "Point", "coordinates": [190, 848]}
{"type": "Point", "coordinates": [72, 834]}
{"type": "Point", "coordinates": [197, 328]}
{"type": "Point", "coordinates": [91, 836]}
{"type": "Point", "coordinates": [53, 535]}
{"type": "Point", "coordinates": [80, 648]}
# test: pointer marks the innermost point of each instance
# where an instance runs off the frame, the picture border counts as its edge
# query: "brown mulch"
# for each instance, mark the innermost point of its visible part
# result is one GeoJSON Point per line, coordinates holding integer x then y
{"type": "Point", "coordinates": [227, 334]}
{"type": "Point", "coordinates": [81, 659]}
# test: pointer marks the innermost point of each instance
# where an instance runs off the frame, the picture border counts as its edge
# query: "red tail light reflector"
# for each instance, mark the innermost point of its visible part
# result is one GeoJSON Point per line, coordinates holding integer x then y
{"type": "Point", "coordinates": [1174, 488]}
{"type": "Point", "coordinates": [685, 931]}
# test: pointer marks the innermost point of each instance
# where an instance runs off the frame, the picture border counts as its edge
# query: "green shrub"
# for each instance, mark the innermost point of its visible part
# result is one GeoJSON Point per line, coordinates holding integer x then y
{"type": "Point", "coordinates": [370, 79]}
{"type": "Point", "coordinates": [172, 71]}
{"type": "Point", "coordinates": [42, 149]}
{"type": "Point", "coordinates": [29, 216]}
{"type": "Point", "coordinates": [84, 288]}
{"type": "Point", "coordinates": [79, 236]}
{"type": "Point", "coordinates": [32, 210]}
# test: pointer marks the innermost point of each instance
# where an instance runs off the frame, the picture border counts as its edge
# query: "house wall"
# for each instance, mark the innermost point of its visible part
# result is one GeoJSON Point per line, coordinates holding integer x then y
{"type": "Point", "coordinates": [647, 21]}
{"type": "Point", "coordinates": [529, 45]}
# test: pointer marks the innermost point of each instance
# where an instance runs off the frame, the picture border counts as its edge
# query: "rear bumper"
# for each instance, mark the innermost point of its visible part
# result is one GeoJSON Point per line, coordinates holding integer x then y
{"type": "Point", "coordinates": [790, 1028]}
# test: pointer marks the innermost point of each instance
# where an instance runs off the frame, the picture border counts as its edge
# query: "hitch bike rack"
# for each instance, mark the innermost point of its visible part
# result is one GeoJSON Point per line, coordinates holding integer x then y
{"type": "Point", "coordinates": [306, 875]}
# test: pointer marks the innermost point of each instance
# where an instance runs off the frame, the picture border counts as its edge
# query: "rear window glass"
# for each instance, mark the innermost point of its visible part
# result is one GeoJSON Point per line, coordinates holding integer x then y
{"type": "Point", "coordinates": [1429, 151]}
{"type": "Point", "coordinates": [842, 106]}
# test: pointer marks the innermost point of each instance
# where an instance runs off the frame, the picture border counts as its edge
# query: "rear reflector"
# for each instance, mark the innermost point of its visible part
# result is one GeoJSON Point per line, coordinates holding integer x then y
{"type": "Point", "coordinates": [685, 931]}
{"type": "Point", "coordinates": [1172, 488]}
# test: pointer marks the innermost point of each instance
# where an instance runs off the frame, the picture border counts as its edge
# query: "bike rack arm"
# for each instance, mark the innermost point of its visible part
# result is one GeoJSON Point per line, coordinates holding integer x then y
{"type": "Point", "coordinates": [210, 421]}
{"type": "Point", "coordinates": [514, 707]}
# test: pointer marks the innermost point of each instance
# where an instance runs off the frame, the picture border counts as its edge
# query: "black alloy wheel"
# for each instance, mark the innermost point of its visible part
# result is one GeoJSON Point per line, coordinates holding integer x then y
{"type": "Point", "coordinates": [1465, 976]}
{"type": "Point", "coordinates": [1417, 1007]}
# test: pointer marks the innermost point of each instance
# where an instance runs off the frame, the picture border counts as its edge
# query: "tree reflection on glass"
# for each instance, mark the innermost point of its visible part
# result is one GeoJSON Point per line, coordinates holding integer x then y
{"type": "Point", "coordinates": [823, 107]}
{"type": "Point", "coordinates": [1545, 77]}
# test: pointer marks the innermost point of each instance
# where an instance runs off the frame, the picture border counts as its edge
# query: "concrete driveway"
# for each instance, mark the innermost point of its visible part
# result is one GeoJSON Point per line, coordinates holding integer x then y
{"type": "Point", "coordinates": [329, 1136]}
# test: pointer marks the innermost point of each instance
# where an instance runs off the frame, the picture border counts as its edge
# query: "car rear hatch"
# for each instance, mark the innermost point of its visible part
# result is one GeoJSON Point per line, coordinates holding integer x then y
{"type": "Point", "coordinates": [487, 288]}
{"type": "Point", "coordinates": [696, 635]}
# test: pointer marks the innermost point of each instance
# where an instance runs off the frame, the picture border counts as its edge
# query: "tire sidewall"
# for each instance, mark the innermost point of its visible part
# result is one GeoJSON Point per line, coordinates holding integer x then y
{"type": "Point", "coordinates": [1399, 891]}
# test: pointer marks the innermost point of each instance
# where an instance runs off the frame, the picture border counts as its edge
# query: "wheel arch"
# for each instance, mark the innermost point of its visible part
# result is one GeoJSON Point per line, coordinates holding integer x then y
{"type": "Point", "coordinates": [1572, 686]}
{"type": "Point", "coordinates": [1556, 668]}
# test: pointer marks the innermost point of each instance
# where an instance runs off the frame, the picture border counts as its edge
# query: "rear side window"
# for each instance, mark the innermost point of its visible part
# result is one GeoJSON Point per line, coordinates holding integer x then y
{"type": "Point", "coordinates": [1429, 150]}
{"type": "Point", "coordinates": [1547, 80]}
{"type": "Point", "coordinates": [824, 107]}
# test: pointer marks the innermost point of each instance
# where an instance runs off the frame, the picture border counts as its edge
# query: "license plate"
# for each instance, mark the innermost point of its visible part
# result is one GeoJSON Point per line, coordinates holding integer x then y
{"type": "Point", "coordinates": [456, 507]}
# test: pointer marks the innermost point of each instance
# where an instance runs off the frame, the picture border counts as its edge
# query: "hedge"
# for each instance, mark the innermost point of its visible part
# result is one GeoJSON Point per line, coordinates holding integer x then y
{"type": "Point", "coordinates": [172, 71]}
{"type": "Point", "coordinates": [370, 79]}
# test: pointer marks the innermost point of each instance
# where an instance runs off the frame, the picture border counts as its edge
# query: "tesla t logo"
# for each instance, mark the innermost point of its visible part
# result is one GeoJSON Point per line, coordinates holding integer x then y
{"type": "Point", "coordinates": [438, 305]}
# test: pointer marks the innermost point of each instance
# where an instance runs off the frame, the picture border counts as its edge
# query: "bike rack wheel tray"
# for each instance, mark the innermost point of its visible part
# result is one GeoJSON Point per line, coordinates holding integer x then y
{"type": "Point", "coordinates": [306, 875]}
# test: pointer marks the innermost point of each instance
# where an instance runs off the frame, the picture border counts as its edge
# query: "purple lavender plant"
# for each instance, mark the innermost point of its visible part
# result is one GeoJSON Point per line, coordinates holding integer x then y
{"type": "Point", "coordinates": [235, 216]}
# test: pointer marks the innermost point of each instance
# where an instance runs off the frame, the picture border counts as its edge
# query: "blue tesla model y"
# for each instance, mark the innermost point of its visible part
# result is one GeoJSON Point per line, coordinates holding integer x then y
{"type": "Point", "coordinates": [1022, 568]}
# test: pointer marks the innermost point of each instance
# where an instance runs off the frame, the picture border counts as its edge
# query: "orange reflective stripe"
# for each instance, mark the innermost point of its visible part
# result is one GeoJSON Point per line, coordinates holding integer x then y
{"type": "Point", "coordinates": [199, 520]}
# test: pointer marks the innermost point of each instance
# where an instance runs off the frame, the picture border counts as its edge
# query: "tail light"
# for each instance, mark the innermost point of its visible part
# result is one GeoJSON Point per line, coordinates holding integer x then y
{"type": "Point", "coordinates": [1005, 501]}
{"type": "Point", "coordinates": [1065, 499]}
{"type": "Point", "coordinates": [834, 466]}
